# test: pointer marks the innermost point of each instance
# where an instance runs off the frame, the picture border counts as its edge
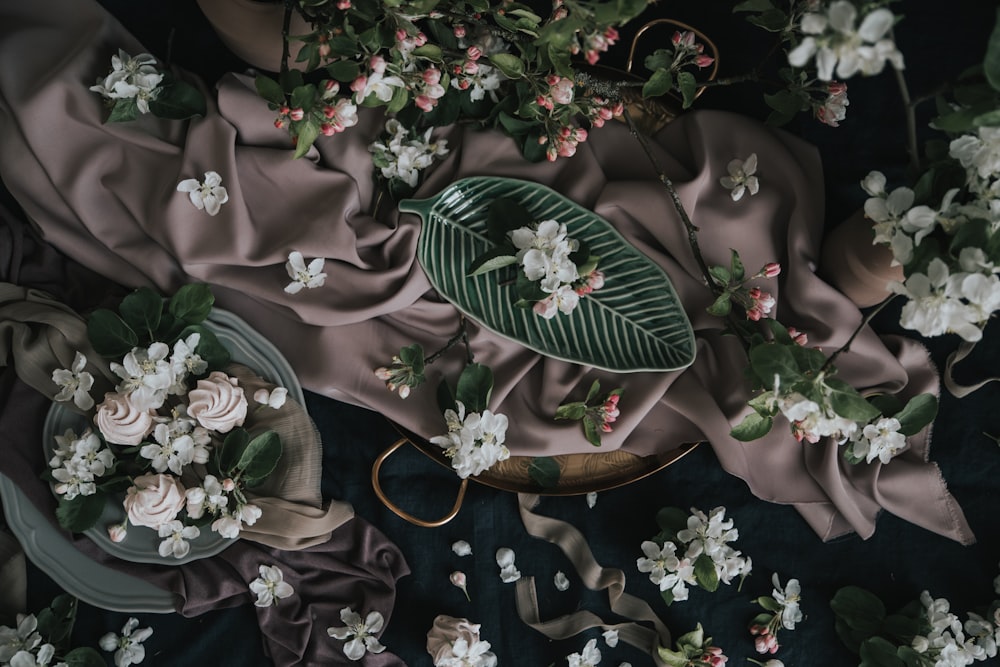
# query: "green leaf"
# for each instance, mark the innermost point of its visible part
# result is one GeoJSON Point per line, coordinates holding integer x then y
{"type": "Point", "coordinates": [592, 393]}
{"type": "Point", "coordinates": [860, 610]}
{"type": "Point", "coordinates": [544, 472]}
{"type": "Point", "coordinates": [736, 265]}
{"type": "Point", "coordinates": [491, 260]}
{"type": "Point", "coordinates": [721, 275]}
{"type": "Point", "coordinates": [660, 83]}
{"type": "Point", "coordinates": [270, 90]}
{"type": "Point", "coordinates": [879, 651]}
{"type": "Point", "coordinates": [260, 457]}
{"type": "Point", "coordinates": [753, 426]}
{"type": "Point", "coordinates": [988, 119]}
{"type": "Point", "coordinates": [773, 20]}
{"type": "Point", "coordinates": [571, 411]}
{"type": "Point", "coordinates": [429, 52]}
{"type": "Point", "coordinates": [229, 455]}
{"type": "Point", "coordinates": [887, 404]}
{"type": "Point", "coordinates": [918, 413]}
{"type": "Point", "coordinates": [445, 397]}
{"type": "Point", "coordinates": [772, 359]}
{"type": "Point", "coordinates": [84, 656]}
{"type": "Point", "coordinates": [344, 71]}
{"type": "Point", "coordinates": [848, 403]}
{"type": "Point", "coordinates": [591, 432]}
{"type": "Point", "coordinates": [722, 305]}
{"type": "Point", "coordinates": [81, 513]}
{"type": "Point", "coordinates": [686, 84]}
{"type": "Point", "coordinates": [705, 574]}
{"type": "Point", "coordinates": [511, 66]}
{"type": "Point", "coordinates": [400, 97]}
{"type": "Point", "coordinates": [672, 519]}
{"type": "Point", "coordinates": [55, 622]}
{"type": "Point", "coordinates": [109, 334]}
{"type": "Point", "coordinates": [123, 111]}
{"type": "Point", "coordinates": [192, 303]}
{"type": "Point", "coordinates": [809, 359]}
{"type": "Point", "coordinates": [177, 101]}
{"type": "Point", "coordinates": [754, 6]}
{"type": "Point", "coordinates": [504, 216]}
{"type": "Point", "coordinates": [991, 63]}
{"type": "Point", "coordinates": [142, 310]}
{"type": "Point", "coordinates": [910, 657]}
{"type": "Point", "coordinates": [673, 658]}
{"type": "Point", "coordinates": [215, 354]}
{"type": "Point", "coordinates": [475, 385]}
{"type": "Point", "coordinates": [307, 133]}
{"type": "Point", "coordinates": [413, 356]}
{"type": "Point", "coordinates": [901, 627]}
{"type": "Point", "coordinates": [768, 603]}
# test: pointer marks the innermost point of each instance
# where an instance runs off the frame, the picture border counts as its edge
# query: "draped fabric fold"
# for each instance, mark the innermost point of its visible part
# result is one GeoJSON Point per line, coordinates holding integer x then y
{"type": "Point", "coordinates": [107, 194]}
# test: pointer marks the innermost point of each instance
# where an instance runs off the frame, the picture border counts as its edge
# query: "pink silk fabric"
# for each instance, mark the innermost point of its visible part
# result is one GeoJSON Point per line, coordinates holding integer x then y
{"type": "Point", "coordinates": [106, 195]}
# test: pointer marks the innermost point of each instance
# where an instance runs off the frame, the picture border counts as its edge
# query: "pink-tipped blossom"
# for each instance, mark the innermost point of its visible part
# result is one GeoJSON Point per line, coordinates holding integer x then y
{"type": "Point", "coordinates": [766, 643]}
{"type": "Point", "coordinates": [343, 5]}
{"type": "Point", "coordinates": [473, 52]}
{"type": "Point", "coordinates": [297, 114]}
{"type": "Point", "coordinates": [459, 581]}
{"type": "Point", "coordinates": [798, 337]}
{"type": "Point", "coordinates": [771, 269]}
{"type": "Point", "coordinates": [703, 61]}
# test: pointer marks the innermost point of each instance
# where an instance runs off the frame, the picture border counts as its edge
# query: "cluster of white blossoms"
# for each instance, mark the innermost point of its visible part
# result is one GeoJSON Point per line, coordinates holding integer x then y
{"type": "Point", "coordinates": [130, 78]}
{"type": "Point", "coordinates": [880, 440]}
{"type": "Point", "coordinates": [810, 421]}
{"type": "Point", "coordinates": [474, 441]}
{"type": "Point", "coordinates": [403, 156]}
{"type": "Point", "coordinates": [704, 535]}
{"type": "Point", "coordinates": [944, 640]}
{"type": "Point", "coordinates": [22, 644]}
{"type": "Point", "coordinates": [78, 461]}
{"type": "Point", "coordinates": [543, 251]}
{"type": "Point", "coordinates": [839, 45]}
{"type": "Point", "coordinates": [951, 295]}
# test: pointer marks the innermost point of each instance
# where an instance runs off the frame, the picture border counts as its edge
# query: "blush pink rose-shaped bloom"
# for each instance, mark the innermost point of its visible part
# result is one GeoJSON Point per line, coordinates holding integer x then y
{"type": "Point", "coordinates": [218, 403]}
{"type": "Point", "coordinates": [153, 500]}
{"type": "Point", "coordinates": [122, 423]}
{"type": "Point", "coordinates": [456, 641]}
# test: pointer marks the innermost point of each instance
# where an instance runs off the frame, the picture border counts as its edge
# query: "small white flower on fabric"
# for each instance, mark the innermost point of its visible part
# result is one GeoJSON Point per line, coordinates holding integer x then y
{"type": "Point", "coordinates": [22, 637]}
{"type": "Point", "coordinates": [508, 572]}
{"type": "Point", "coordinates": [881, 440]}
{"type": "Point", "coordinates": [589, 657]}
{"type": "Point", "coordinates": [273, 399]}
{"type": "Point", "coordinates": [742, 177]}
{"type": "Point", "coordinates": [788, 597]}
{"type": "Point", "coordinates": [128, 646]}
{"type": "Point", "coordinates": [303, 276]}
{"type": "Point", "coordinates": [270, 586]}
{"type": "Point", "coordinates": [175, 538]}
{"type": "Point", "coordinates": [561, 581]}
{"type": "Point", "coordinates": [131, 78]}
{"type": "Point", "coordinates": [462, 548]}
{"type": "Point", "coordinates": [227, 526]}
{"type": "Point", "coordinates": [75, 383]}
{"type": "Point", "coordinates": [118, 532]}
{"type": "Point", "coordinates": [208, 196]}
{"type": "Point", "coordinates": [591, 499]}
{"type": "Point", "coordinates": [611, 637]}
{"type": "Point", "coordinates": [360, 633]}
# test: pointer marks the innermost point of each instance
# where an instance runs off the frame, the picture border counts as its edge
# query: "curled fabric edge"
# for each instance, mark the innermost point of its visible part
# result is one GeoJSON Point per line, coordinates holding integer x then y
{"type": "Point", "coordinates": [594, 577]}
{"type": "Point", "coordinates": [962, 390]}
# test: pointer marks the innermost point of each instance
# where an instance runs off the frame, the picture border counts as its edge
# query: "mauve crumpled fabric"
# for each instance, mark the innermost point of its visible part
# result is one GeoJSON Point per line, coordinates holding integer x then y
{"type": "Point", "coordinates": [107, 194]}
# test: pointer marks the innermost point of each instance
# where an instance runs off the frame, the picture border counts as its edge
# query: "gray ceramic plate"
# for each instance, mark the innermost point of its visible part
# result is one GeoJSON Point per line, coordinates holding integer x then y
{"type": "Point", "coordinates": [247, 347]}
{"type": "Point", "coordinates": [634, 323]}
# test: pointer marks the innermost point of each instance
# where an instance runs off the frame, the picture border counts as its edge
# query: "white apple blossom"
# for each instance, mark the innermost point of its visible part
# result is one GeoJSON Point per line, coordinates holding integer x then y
{"type": "Point", "coordinates": [666, 570]}
{"type": "Point", "coordinates": [610, 637]}
{"type": "Point", "coordinates": [561, 581]}
{"type": "Point", "coordinates": [788, 597]}
{"type": "Point", "coordinates": [381, 86]}
{"type": "Point", "coordinates": [403, 156]}
{"type": "Point", "coordinates": [590, 656]}
{"type": "Point", "coordinates": [359, 633]}
{"type": "Point", "coordinates": [505, 560]}
{"type": "Point", "coordinates": [184, 361]}
{"type": "Point", "coordinates": [742, 177]}
{"type": "Point", "coordinates": [77, 462]}
{"type": "Point", "coordinates": [462, 548]}
{"type": "Point", "coordinates": [131, 78]}
{"type": "Point", "coordinates": [979, 153]}
{"type": "Point", "coordinates": [208, 196]}
{"type": "Point", "coordinates": [880, 440]}
{"type": "Point", "coordinates": [175, 536]}
{"type": "Point", "coordinates": [170, 452]}
{"type": "Point", "coordinates": [810, 422]}
{"type": "Point", "coordinates": [710, 534]}
{"type": "Point", "coordinates": [474, 441]}
{"type": "Point", "coordinates": [146, 376]}
{"type": "Point", "coordinates": [22, 637]}
{"type": "Point", "coordinates": [270, 586]}
{"type": "Point", "coordinates": [840, 46]}
{"type": "Point", "coordinates": [302, 275]}
{"type": "Point", "coordinates": [128, 646]}
{"type": "Point", "coordinates": [75, 383]}
{"type": "Point", "coordinates": [935, 305]}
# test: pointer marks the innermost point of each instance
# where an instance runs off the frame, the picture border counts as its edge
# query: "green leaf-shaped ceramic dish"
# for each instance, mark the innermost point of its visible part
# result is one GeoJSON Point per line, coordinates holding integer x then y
{"type": "Point", "coordinates": [634, 323]}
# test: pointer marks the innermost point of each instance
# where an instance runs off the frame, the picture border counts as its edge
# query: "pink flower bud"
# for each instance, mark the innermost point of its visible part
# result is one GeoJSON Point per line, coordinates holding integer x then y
{"type": "Point", "coordinates": [283, 110]}
{"type": "Point", "coordinates": [431, 76]}
{"type": "Point", "coordinates": [343, 5]}
{"type": "Point", "coordinates": [474, 52]}
{"type": "Point", "coordinates": [359, 83]}
{"type": "Point", "coordinates": [703, 61]}
{"type": "Point", "coordinates": [228, 484]}
{"type": "Point", "coordinates": [836, 88]}
{"type": "Point", "coordinates": [771, 269]}
{"type": "Point", "coordinates": [676, 39]}
{"type": "Point", "coordinates": [377, 64]}
{"type": "Point", "coordinates": [118, 531]}
{"type": "Point", "coordinates": [470, 67]}
{"type": "Point", "coordinates": [401, 35]}
{"type": "Point", "coordinates": [404, 391]}
{"type": "Point", "coordinates": [324, 50]}
{"type": "Point", "coordinates": [459, 31]}
{"type": "Point", "coordinates": [754, 314]}
{"type": "Point", "coordinates": [297, 114]}
{"type": "Point", "coordinates": [459, 581]}
{"type": "Point", "coordinates": [327, 130]}
{"type": "Point", "coordinates": [797, 336]}
{"type": "Point", "coordinates": [280, 123]}
{"type": "Point", "coordinates": [424, 103]}
{"type": "Point", "coordinates": [383, 373]}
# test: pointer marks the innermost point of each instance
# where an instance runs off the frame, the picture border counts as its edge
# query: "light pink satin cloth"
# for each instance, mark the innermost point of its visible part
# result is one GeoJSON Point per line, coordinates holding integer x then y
{"type": "Point", "coordinates": [106, 194]}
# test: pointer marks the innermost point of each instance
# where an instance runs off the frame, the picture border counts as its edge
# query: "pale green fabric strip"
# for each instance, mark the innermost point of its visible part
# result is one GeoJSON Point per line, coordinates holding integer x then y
{"type": "Point", "coordinates": [595, 577]}
{"type": "Point", "coordinates": [962, 390]}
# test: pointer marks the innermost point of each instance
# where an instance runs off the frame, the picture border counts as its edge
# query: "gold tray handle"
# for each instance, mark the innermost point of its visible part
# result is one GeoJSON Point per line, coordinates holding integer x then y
{"type": "Point", "coordinates": [377, 486]}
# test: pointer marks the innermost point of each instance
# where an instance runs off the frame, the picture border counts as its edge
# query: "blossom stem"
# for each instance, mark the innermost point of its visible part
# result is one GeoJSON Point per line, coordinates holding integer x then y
{"type": "Point", "coordinates": [286, 26]}
{"type": "Point", "coordinates": [911, 120]}
{"type": "Point", "coordinates": [854, 334]}
{"type": "Point", "coordinates": [460, 336]}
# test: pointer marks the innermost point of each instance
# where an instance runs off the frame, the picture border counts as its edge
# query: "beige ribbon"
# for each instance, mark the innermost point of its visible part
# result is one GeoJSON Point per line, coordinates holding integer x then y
{"type": "Point", "coordinates": [595, 577]}
{"type": "Point", "coordinates": [13, 580]}
{"type": "Point", "coordinates": [961, 390]}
